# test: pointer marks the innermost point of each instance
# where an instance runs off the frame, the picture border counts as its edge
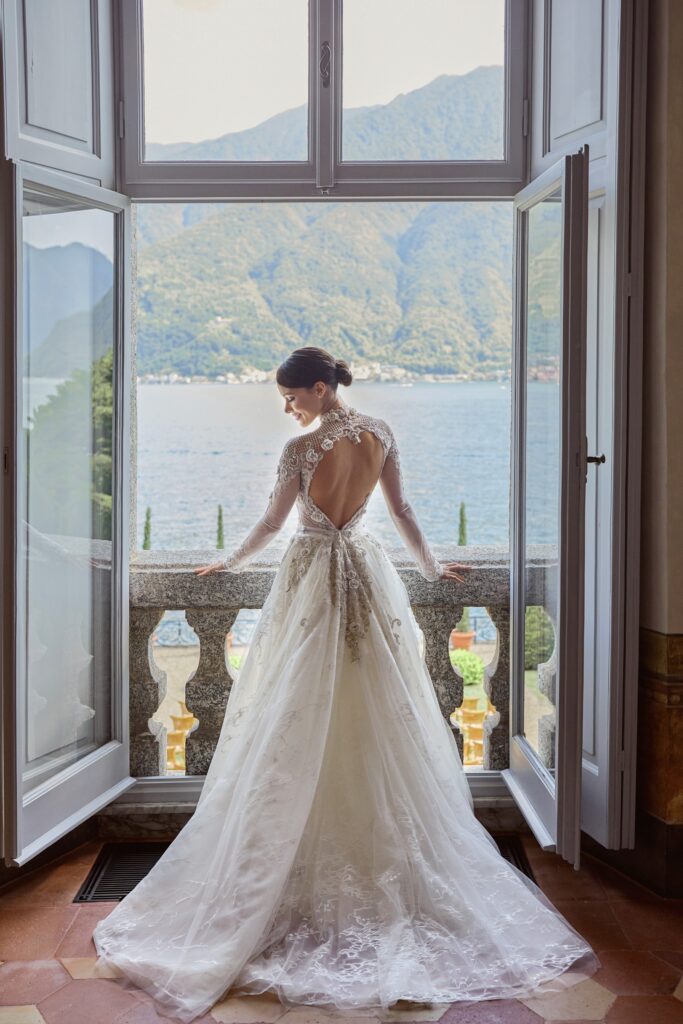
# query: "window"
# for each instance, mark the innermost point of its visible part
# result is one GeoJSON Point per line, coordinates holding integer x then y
{"type": "Point", "coordinates": [289, 100]}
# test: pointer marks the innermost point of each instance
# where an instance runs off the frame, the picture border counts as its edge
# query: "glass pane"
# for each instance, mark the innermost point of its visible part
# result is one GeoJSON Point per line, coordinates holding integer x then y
{"type": "Point", "coordinates": [423, 81]}
{"type": "Point", "coordinates": [225, 80]}
{"type": "Point", "coordinates": [66, 483]}
{"type": "Point", "coordinates": [542, 467]}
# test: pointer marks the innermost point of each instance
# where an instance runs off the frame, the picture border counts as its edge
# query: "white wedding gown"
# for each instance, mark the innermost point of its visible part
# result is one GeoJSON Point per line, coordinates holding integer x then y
{"type": "Point", "coordinates": [334, 856]}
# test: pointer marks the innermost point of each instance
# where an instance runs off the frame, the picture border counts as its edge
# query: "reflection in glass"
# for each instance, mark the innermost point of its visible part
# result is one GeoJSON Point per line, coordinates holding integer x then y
{"type": "Point", "coordinates": [226, 80]}
{"type": "Point", "coordinates": [423, 81]}
{"type": "Point", "coordinates": [542, 471]}
{"type": "Point", "coordinates": [66, 484]}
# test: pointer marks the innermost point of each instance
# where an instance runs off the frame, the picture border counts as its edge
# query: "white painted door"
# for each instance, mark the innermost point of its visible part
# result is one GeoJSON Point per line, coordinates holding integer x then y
{"type": "Point", "coordinates": [65, 509]}
{"type": "Point", "coordinates": [547, 502]}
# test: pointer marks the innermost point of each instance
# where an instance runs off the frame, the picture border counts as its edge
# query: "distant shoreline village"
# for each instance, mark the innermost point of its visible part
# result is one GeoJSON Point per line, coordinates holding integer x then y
{"type": "Point", "coordinates": [370, 373]}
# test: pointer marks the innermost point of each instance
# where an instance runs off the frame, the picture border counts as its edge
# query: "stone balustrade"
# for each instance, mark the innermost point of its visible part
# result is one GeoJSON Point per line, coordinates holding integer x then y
{"type": "Point", "coordinates": [165, 581]}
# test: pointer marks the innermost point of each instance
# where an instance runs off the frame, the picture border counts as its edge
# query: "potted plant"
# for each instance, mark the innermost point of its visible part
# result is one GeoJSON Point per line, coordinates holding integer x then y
{"type": "Point", "coordinates": [462, 636]}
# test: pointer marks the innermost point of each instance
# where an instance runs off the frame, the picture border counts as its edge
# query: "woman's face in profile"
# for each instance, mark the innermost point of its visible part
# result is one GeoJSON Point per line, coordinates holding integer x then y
{"type": "Point", "coordinates": [303, 404]}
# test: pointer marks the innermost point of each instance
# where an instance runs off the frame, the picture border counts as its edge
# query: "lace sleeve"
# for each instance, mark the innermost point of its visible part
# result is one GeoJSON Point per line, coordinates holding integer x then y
{"type": "Point", "coordinates": [280, 502]}
{"type": "Point", "coordinates": [391, 482]}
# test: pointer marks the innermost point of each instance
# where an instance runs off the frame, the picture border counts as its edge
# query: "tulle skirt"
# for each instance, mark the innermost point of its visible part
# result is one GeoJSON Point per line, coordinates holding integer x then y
{"type": "Point", "coordinates": [334, 857]}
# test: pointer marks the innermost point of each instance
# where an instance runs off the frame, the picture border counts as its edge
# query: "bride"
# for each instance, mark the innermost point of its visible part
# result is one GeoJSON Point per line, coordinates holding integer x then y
{"type": "Point", "coordinates": [334, 856]}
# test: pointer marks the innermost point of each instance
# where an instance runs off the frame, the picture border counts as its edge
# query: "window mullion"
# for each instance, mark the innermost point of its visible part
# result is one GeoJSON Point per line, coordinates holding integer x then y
{"type": "Point", "coordinates": [326, 64]}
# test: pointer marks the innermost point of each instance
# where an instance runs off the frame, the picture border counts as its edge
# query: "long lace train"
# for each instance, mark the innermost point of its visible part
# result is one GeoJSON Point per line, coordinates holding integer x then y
{"type": "Point", "coordinates": [334, 856]}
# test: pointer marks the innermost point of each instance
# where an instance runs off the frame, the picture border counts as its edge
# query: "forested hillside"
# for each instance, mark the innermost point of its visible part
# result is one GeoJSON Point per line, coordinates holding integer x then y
{"type": "Point", "coordinates": [224, 288]}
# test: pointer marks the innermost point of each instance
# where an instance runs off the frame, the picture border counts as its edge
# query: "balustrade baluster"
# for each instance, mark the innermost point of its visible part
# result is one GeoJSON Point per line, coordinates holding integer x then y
{"type": "Point", "coordinates": [147, 690]}
{"type": "Point", "coordinates": [208, 688]}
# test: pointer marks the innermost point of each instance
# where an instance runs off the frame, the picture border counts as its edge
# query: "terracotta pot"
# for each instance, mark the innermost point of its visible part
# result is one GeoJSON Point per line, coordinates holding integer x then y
{"type": "Point", "coordinates": [462, 641]}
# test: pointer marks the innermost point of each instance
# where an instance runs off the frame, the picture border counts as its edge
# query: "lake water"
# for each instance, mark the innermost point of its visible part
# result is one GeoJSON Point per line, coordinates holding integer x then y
{"type": "Point", "coordinates": [201, 445]}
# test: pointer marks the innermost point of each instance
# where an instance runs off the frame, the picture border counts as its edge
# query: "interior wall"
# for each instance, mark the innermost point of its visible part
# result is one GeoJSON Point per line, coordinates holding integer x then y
{"type": "Point", "coordinates": [657, 859]}
{"type": "Point", "coordinates": [662, 480]}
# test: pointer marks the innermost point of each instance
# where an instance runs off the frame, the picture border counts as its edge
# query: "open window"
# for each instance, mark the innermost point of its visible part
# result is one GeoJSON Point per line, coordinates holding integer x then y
{"type": "Point", "coordinates": [66, 730]}
{"type": "Point", "coordinates": [547, 552]}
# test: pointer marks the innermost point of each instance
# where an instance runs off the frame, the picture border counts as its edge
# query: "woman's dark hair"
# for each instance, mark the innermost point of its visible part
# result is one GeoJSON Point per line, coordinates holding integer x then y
{"type": "Point", "coordinates": [306, 365]}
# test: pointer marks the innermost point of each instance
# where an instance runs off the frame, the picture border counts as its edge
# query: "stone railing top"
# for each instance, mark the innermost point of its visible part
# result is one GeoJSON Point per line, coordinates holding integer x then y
{"type": "Point", "coordinates": [165, 579]}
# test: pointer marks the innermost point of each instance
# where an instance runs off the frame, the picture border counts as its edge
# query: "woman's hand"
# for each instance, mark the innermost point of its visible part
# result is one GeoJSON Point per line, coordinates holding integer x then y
{"type": "Point", "coordinates": [207, 570]}
{"type": "Point", "coordinates": [450, 571]}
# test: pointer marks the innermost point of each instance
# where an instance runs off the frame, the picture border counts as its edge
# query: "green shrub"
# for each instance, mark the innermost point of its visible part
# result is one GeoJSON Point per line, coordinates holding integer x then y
{"type": "Point", "coordinates": [470, 666]}
{"type": "Point", "coordinates": [538, 637]}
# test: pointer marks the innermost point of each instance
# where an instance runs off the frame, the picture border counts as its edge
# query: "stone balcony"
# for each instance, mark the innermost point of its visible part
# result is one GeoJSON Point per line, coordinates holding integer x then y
{"type": "Point", "coordinates": [161, 582]}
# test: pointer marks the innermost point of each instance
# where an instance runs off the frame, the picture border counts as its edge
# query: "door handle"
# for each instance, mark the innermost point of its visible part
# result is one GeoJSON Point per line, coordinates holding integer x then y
{"type": "Point", "coordinates": [595, 458]}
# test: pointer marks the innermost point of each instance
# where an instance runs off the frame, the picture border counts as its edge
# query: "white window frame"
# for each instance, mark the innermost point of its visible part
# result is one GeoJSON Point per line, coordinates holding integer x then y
{"type": "Point", "coordinates": [32, 822]}
{"type": "Point", "coordinates": [324, 174]}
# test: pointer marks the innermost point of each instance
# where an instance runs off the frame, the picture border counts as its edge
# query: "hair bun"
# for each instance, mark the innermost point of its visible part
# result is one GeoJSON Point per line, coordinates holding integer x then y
{"type": "Point", "coordinates": [344, 375]}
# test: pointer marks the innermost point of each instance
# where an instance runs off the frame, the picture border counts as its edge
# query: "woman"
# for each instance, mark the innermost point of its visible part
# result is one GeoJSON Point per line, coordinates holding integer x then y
{"type": "Point", "coordinates": [334, 856]}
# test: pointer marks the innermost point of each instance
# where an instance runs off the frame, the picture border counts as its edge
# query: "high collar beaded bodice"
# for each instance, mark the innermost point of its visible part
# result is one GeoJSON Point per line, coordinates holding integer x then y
{"type": "Point", "coordinates": [298, 461]}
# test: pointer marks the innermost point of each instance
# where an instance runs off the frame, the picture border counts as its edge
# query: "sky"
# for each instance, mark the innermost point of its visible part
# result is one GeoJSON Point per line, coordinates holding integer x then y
{"type": "Point", "coordinates": [93, 228]}
{"type": "Point", "coordinates": [218, 66]}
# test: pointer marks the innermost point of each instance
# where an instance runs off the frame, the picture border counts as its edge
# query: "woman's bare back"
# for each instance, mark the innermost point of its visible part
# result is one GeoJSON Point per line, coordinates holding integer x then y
{"type": "Point", "coordinates": [346, 475]}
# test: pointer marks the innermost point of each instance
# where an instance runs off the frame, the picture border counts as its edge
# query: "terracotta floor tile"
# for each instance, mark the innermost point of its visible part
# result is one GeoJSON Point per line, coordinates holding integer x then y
{"type": "Point", "coordinates": [84, 966]}
{"type": "Point", "coordinates": [87, 1002]}
{"type": "Point", "coordinates": [596, 922]}
{"type": "Point", "coordinates": [33, 933]}
{"type": "Point", "coordinates": [78, 940]}
{"type": "Point", "coordinates": [305, 1015]}
{"type": "Point", "coordinates": [561, 882]}
{"type": "Point", "coordinates": [52, 886]}
{"type": "Point", "coordinates": [29, 981]}
{"type": "Point", "coordinates": [651, 925]}
{"type": "Point", "coordinates": [628, 972]}
{"type": "Point", "coordinates": [645, 1010]}
{"type": "Point", "coordinates": [86, 853]}
{"type": "Point", "coordinates": [491, 1011]}
{"type": "Point", "coordinates": [670, 957]}
{"type": "Point", "coordinates": [586, 1001]}
{"type": "Point", "coordinates": [405, 1012]}
{"type": "Point", "coordinates": [144, 1013]}
{"type": "Point", "coordinates": [617, 886]}
{"type": "Point", "coordinates": [27, 1014]}
{"type": "Point", "coordinates": [266, 1007]}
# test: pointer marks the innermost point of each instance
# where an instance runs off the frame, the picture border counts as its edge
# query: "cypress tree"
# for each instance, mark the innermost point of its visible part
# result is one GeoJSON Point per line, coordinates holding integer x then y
{"type": "Point", "coordinates": [220, 537]}
{"type": "Point", "coordinates": [464, 624]}
{"type": "Point", "coordinates": [462, 528]}
{"type": "Point", "coordinates": [147, 538]}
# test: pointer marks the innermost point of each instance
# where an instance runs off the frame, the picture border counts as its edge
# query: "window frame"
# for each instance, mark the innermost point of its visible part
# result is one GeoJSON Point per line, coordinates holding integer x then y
{"type": "Point", "coordinates": [324, 174]}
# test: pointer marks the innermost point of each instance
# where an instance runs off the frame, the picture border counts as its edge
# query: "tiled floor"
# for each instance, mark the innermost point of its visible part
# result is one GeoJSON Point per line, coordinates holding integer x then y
{"type": "Point", "coordinates": [48, 956]}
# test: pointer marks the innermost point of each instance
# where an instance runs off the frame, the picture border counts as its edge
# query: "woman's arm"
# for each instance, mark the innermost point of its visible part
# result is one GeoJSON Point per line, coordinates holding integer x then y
{"type": "Point", "coordinates": [401, 511]}
{"type": "Point", "coordinates": [280, 502]}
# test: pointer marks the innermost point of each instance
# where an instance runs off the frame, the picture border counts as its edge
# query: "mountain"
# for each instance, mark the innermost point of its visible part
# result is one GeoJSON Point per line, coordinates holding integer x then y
{"type": "Point", "coordinates": [454, 117]}
{"type": "Point", "coordinates": [76, 341]}
{"type": "Point", "coordinates": [61, 280]}
{"type": "Point", "coordinates": [426, 286]}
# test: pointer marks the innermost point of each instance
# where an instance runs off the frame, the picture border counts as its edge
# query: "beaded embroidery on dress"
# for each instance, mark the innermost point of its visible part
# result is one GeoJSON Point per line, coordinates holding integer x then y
{"type": "Point", "coordinates": [334, 857]}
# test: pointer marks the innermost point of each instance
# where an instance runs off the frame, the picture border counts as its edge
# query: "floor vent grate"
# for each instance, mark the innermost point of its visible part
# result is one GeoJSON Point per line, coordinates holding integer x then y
{"type": "Point", "coordinates": [120, 866]}
{"type": "Point", "coordinates": [117, 870]}
{"type": "Point", "coordinates": [512, 848]}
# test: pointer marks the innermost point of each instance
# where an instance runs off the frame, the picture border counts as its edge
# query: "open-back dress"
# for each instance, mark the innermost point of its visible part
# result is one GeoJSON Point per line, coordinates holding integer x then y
{"type": "Point", "coordinates": [334, 856]}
